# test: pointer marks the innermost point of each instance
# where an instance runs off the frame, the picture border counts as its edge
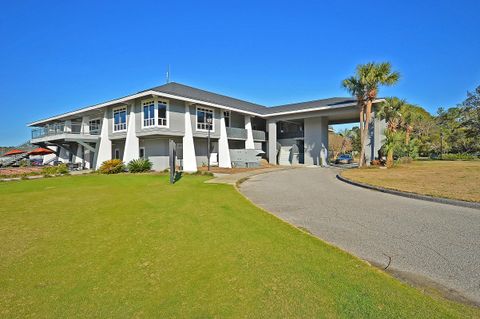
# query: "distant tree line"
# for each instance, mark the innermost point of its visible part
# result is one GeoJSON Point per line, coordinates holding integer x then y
{"type": "Point", "coordinates": [412, 131]}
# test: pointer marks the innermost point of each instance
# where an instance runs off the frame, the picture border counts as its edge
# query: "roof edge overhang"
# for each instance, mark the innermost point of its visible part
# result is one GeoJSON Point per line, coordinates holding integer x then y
{"type": "Point", "coordinates": [127, 98]}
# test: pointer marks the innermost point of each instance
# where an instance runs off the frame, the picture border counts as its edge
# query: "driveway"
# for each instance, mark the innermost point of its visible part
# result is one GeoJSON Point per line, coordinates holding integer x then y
{"type": "Point", "coordinates": [425, 243]}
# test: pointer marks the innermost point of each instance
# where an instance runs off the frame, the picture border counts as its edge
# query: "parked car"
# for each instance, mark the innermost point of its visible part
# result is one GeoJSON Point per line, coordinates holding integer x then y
{"type": "Point", "coordinates": [344, 159]}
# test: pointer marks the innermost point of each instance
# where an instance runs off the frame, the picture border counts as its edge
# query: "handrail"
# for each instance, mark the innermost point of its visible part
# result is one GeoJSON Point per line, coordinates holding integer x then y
{"type": "Point", "coordinates": [63, 128]}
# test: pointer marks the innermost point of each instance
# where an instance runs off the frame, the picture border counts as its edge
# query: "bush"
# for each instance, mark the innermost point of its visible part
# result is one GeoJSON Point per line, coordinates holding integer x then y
{"type": "Point", "coordinates": [55, 170]}
{"type": "Point", "coordinates": [139, 165]}
{"type": "Point", "coordinates": [113, 166]}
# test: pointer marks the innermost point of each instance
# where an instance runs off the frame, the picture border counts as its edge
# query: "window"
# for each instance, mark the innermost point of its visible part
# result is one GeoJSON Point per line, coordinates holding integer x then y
{"type": "Point", "coordinates": [148, 113]}
{"type": "Point", "coordinates": [116, 154]}
{"type": "Point", "coordinates": [94, 126]}
{"type": "Point", "coordinates": [141, 152]}
{"type": "Point", "coordinates": [120, 119]}
{"type": "Point", "coordinates": [226, 116]}
{"type": "Point", "coordinates": [162, 113]}
{"type": "Point", "coordinates": [203, 116]}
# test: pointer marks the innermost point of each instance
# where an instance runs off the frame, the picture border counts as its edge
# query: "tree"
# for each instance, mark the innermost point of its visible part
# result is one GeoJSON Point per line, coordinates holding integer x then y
{"type": "Point", "coordinates": [364, 85]}
{"type": "Point", "coordinates": [390, 111]}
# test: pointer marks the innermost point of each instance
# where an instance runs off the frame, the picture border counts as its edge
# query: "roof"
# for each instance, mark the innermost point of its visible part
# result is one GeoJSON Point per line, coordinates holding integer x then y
{"type": "Point", "coordinates": [183, 91]}
{"type": "Point", "coordinates": [202, 95]}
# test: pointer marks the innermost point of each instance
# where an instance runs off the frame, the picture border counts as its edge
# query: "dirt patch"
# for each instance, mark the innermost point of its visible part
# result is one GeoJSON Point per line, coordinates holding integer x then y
{"type": "Point", "coordinates": [15, 171]}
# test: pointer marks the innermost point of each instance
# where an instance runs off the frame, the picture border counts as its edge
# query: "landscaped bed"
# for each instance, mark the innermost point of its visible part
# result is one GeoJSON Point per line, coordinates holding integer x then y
{"type": "Point", "coordinates": [448, 179]}
{"type": "Point", "coordinates": [135, 246]}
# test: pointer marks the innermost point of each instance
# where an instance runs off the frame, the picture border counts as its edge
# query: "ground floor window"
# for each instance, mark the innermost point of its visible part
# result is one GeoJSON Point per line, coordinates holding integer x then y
{"type": "Point", "coordinates": [204, 119]}
{"type": "Point", "coordinates": [116, 154]}
{"type": "Point", "coordinates": [142, 152]}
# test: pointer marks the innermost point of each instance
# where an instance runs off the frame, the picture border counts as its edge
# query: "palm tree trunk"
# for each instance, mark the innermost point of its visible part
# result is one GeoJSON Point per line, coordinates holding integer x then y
{"type": "Point", "coordinates": [367, 116]}
{"type": "Point", "coordinates": [390, 158]}
{"type": "Point", "coordinates": [361, 161]}
{"type": "Point", "coordinates": [408, 130]}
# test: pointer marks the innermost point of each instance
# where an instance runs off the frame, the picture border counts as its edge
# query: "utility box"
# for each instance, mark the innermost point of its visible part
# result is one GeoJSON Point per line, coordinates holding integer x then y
{"type": "Point", "coordinates": [246, 158]}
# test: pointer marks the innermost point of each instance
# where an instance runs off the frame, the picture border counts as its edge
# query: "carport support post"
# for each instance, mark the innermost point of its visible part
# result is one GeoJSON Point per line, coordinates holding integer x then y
{"type": "Point", "coordinates": [316, 141]}
{"type": "Point", "coordinates": [272, 142]}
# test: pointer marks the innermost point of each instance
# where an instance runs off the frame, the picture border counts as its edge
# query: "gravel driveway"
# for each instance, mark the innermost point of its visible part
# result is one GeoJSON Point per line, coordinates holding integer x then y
{"type": "Point", "coordinates": [424, 243]}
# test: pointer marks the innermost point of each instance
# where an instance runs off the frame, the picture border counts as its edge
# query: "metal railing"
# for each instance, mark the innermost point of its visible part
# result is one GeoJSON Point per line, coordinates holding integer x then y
{"type": "Point", "coordinates": [62, 128]}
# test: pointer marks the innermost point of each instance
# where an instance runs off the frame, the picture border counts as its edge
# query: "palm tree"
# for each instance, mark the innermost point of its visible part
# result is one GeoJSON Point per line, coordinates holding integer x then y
{"type": "Point", "coordinates": [391, 112]}
{"type": "Point", "coordinates": [346, 134]}
{"type": "Point", "coordinates": [364, 85]}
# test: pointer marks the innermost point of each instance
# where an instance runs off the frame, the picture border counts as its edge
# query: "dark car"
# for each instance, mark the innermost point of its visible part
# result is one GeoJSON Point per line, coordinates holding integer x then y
{"type": "Point", "coordinates": [344, 159]}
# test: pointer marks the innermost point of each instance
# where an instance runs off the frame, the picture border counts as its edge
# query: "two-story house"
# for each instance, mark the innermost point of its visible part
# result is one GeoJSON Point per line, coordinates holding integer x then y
{"type": "Point", "coordinates": [141, 124]}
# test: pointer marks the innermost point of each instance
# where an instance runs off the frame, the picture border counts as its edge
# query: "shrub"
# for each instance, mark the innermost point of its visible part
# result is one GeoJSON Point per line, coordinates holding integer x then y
{"type": "Point", "coordinates": [55, 170]}
{"type": "Point", "coordinates": [24, 163]}
{"type": "Point", "coordinates": [113, 166]}
{"type": "Point", "coordinates": [139, 165]}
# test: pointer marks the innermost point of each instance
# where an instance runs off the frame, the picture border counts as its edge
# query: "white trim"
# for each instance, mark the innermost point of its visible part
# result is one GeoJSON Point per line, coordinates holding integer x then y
{"type": "Point", "coordinates": [143, 113]}
{"type": "Point", "coordinates": [123, 107]}
{"type": "Point", "coordinates": [167, 112]}
{"type": "Point", "coordinates": [196, 118]}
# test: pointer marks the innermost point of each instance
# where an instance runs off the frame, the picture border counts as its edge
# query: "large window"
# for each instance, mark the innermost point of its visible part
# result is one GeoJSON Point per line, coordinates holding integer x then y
{"type": "Point", "coordinates": [204, 116]}
{"type": "Point", "coordinates": [148, 113]}
{"type": "Point", "coordinates": [120, 119]}
{"type": "Point", "coordinates": [226, 116]}
{"type": "Point", "coordinates": [162, 113]}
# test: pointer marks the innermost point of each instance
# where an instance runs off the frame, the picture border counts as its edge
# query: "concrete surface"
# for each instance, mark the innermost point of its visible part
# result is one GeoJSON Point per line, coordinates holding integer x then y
{"type": "Point", "coordinates": [424, 243]}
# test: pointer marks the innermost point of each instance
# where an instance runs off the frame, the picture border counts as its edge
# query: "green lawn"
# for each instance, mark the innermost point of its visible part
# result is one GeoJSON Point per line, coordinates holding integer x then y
{"type": "Point", "coordinates": [134, 246]}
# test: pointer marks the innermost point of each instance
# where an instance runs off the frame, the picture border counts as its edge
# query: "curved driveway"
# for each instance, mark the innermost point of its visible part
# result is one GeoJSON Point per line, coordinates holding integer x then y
{"type": "Point", "coordinates": [425, 242]}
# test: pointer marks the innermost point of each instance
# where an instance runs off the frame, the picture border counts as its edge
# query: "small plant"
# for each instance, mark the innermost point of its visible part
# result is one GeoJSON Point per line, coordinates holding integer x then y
{"type": "Point", "coordinates": [55, 170]}
{"type": "Point", "coordinates": [24, 163]}
{"type": "Point", "coordinates": [139, 165]}
{"type": "Point", "coordinates": [113, 166]}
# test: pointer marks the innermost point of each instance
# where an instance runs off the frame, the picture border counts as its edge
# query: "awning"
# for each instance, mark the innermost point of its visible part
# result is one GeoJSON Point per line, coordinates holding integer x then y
{"type": "Point", "coordinates": [41, 151]}
{"type": "Point", "coordinates": [14, 152]}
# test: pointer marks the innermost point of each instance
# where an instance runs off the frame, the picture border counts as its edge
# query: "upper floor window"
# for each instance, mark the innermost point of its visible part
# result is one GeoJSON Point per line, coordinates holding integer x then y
{"type": "Point", "coordinates": [148, 113]}
{"type": "Point", "coordinates": [94, 126]}
{"type": "Point", "coordinates": [162, 113]}
{"type": "Point", "coordinates": [120, 119]}
{"type": "Point", "coordinates": [204, 119]}
{"type": "Point", "coordinates": [226, 116]}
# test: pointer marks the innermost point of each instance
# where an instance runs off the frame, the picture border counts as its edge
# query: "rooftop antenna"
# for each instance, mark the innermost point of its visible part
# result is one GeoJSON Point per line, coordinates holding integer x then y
{"type": "Point", "coordinates": [168, 74]}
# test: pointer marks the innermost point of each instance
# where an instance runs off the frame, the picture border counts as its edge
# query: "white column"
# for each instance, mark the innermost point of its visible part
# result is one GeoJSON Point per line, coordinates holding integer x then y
{"type": "Point", "coordinates": [85, 127]}
{"type": "Point", "coordinates": [68, 126]}
{"type": "Point", "coordinates": [103, 150]}
{"type": "Point", "coordinates": [189, 158]}
{"type": "Point", "coordinates": [77, 157]}
{"type": "Point", "coordinates": [316, 141]}
{"type": "Point", "coordinates": [272, 142]}
{"type": "Point", "coordinates": [223, 149]}
{"type": "Point", "coordinates": [249, 144]}
{"type": "Point", "coordinates": [132, 143]}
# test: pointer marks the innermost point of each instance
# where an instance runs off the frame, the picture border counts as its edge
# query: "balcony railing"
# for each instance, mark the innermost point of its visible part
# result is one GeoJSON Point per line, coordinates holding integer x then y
{"type": "Point", "coordinates": [237, 133]}
{"type": "Point", "coordinates": [259, 135]}
{"type": "Point", "coordinates": [62, 128]}
{"type": "Point", "coordinates": [294, 134]}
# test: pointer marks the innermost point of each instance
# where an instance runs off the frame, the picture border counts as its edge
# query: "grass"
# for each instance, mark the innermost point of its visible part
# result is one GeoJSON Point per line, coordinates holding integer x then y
{"type": "Point", "coordinates": [128, 246]}
{"type": "Point", "coordinates": [449, 179]}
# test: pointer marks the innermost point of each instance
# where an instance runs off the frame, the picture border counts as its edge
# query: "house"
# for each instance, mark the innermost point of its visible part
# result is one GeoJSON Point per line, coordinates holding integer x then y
{"type": "Point", "coordinates": [141, 124]}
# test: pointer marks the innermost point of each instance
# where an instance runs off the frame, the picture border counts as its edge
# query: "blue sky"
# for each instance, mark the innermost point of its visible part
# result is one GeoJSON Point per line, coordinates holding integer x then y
{"type": "Point", "coordinates": [58, 56]}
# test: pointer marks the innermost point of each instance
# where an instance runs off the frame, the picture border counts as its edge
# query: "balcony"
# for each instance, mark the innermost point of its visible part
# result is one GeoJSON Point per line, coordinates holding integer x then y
{"type": "Point", "coordinates": [64, 131]}
{"type": "Point", "coordinates": [236, 133]}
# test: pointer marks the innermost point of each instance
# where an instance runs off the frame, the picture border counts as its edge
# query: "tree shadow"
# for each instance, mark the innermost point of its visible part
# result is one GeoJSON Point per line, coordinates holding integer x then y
{"type": "Point", "coordinates": [178, 176]}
